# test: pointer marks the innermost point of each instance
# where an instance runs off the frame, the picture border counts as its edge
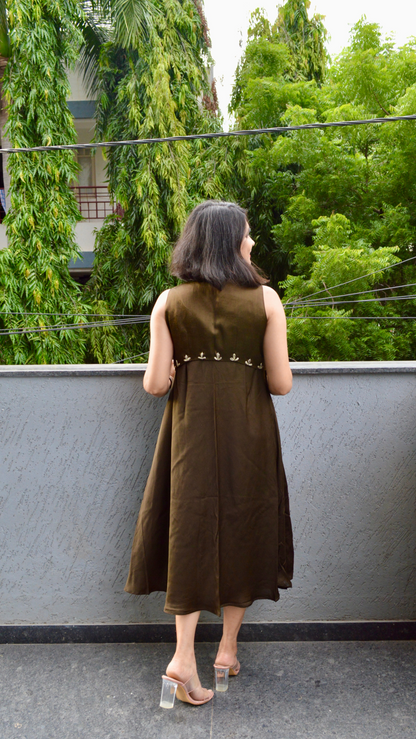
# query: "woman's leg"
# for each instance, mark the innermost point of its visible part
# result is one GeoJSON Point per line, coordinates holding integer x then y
{"type": "Point", "coordinates": [183, 664]}
{"type": "Point", "coordinates": [227, 651]}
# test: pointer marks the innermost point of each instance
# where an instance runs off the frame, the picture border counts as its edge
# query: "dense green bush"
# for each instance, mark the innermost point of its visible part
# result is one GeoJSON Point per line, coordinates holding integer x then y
{"type": "Point", "coordinates": [327, 206]}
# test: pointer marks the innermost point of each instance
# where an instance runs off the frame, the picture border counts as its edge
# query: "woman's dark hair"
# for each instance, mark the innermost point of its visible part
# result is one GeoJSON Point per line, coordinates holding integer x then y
{"type": "Point", "coordinates": [209, 247]}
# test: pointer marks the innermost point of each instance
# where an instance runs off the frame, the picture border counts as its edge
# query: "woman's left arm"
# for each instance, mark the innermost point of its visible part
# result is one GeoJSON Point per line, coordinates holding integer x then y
{"type": "Point", "coordinates": [160, 365]}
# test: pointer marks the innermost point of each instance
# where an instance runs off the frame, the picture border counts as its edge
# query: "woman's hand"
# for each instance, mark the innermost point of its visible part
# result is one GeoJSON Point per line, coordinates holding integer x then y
{"type": "Point", "coordinates": [172, 371]}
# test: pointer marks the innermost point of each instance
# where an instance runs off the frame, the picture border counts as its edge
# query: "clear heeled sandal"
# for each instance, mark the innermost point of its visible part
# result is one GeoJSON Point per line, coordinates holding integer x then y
{"type": "Point", "coordinates": [172, 688]}
{"type": "Point", "coordinates": [222, 673]}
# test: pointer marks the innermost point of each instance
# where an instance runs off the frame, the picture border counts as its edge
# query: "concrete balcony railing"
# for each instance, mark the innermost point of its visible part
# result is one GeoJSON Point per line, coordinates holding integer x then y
{"type": "Point", "coordinates": [76, 448]}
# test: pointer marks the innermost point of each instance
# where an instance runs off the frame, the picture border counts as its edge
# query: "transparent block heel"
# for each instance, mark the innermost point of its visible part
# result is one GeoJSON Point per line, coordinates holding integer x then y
{"type": "Point", "coordinates": [221, 679]}
{"type": "Point", "coordinates": [167, 698]}
{"type": "Point", "coordinates": [172, 687]}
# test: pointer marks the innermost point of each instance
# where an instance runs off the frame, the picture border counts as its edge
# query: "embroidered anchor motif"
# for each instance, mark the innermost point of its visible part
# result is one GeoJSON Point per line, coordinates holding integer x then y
{"type": "Point", "coordinates": [218, 358]}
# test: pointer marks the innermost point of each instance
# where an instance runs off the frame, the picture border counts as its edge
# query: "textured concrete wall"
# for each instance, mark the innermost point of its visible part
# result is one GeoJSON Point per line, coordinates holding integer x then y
{"type": "Point", "coordinates": [76, 447]}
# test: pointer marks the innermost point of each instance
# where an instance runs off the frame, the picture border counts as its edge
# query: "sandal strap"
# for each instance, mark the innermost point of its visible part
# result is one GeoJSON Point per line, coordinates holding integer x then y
{"type": "Point", "coordinates": [193, 683]}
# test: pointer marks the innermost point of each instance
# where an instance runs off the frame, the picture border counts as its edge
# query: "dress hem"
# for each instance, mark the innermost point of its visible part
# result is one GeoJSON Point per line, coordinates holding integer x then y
{"type": "Point", "coordinates": [202, 607]}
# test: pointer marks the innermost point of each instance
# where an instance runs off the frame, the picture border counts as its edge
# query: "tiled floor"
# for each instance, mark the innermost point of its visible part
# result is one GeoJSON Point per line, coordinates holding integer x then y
{"type": "Point", "coordinates": [289, 690]}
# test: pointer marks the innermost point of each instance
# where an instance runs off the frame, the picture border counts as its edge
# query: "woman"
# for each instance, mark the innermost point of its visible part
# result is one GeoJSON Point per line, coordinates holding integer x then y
{"type": "Point", "coordinates": [214, 527]}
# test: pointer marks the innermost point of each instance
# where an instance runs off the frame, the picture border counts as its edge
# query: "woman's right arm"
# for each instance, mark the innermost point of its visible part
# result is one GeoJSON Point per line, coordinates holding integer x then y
{"type": "Point", "coordinates": [276, 357]}
{"type": "Point", "coordinates": [160, 365]}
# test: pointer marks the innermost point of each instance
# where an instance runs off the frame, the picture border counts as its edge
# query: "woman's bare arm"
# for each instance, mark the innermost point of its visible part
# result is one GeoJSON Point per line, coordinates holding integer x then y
{"type": "Point", "coordinates": [276, 358]}
{"type": "Point", "coordinates": [160, 365]}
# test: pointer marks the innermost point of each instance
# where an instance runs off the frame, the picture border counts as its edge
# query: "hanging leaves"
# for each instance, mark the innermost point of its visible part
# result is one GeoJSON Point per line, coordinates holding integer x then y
{"type": "Point", "coordinates": [36, 289]}
{"type": "Point", "coordinates": [154, 89]}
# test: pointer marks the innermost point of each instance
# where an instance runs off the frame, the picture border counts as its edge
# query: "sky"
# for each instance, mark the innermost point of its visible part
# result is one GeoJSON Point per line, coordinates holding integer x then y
{"type": "Point", "coordinates": [228, 22]}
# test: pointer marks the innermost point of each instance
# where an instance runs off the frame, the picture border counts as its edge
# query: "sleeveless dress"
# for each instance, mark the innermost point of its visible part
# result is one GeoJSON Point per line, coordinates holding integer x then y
{"type": "Point", "coordinates": [214, 526]}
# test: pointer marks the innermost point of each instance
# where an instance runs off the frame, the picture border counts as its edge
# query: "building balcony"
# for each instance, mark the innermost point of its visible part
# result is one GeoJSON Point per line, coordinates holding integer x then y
{"type": "Point", "coordinates": [94, 202]}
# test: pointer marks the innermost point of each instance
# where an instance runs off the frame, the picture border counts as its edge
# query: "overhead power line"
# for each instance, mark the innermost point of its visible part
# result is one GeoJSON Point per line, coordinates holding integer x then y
{"type": "Point", "coordinates": [330, 302]}
{"type": "Point", "coordinates": [298, 303]}
{"type": "Point", "coordinates": [322, 301]}
{"type": "Point", "coordinates": [213, 135]}
{"type": "Point", "coordinates": [121, 320]}
{"type": "Point", "coordinates": [127, 359]}
{"type": "Point", "coordinates": [72, 327]}
{"type": "Point", "coordinates": [348, 282]}
{"type": "Point", "coordinates": [145, 319]}
{"type": "Point", "coordinates": [68, 315]}
{"type": "Point", "coordinates": [352, 318]}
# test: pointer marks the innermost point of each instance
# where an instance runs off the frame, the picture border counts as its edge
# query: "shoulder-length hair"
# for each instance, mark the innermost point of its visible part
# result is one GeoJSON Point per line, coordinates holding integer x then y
{"type": "Point", "coordinates": [209, 248]}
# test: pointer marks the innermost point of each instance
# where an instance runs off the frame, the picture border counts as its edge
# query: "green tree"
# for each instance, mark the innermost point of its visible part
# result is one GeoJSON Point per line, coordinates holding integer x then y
{"type": "Point", "coordinates": [305, 38]}
{"type": "Point", "coordinates": [362, 176]}
{"type": "Point", "coordinates": [325, 326]}
{"type": "Point", "coordinates": [123, 22]}
{"type": "Point", "coordinates": [36, 289]}
{"type": "Point", "coordinates": [5, 51]}
{"type": "Point", "coordinates": [32, 281]}
{"type": "Point", "coordinates": [152, 88]}
{"type": "Point", "coordinates": [278, 60]}
{"type": "Point", "coordinates": [283, 66]}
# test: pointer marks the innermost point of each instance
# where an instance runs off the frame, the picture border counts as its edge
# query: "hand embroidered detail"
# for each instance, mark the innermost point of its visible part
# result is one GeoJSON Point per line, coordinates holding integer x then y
{"type": "Point", "coordinates": [218, 356]}
{"type": "Point", "coordinates": [201, 356]}
{"type": "Point", "coordinates": [234, 358]}
{"type": "Point", "coordinates": [177, 363]}
{"type": "Point", "coordinates": [186, 358]}
{"type": "Point", "coordinates": [249, 362]}
{"type": "Point", "coordinates": [260, 366]}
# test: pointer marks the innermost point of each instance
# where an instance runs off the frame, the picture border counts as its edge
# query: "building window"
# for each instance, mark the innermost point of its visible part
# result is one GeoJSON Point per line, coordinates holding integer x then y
{"type": "Point", "coordinates": [86, 160]}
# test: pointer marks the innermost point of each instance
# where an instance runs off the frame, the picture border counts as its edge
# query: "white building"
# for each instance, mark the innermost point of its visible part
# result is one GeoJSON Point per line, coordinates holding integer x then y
{"type": "Point", "coordinates": [91, 191]}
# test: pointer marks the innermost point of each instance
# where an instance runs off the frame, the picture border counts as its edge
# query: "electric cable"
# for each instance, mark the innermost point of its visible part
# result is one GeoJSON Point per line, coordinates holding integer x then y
{"type": "Point", "coordinates": [72, 327]}
{"type": "Point", "coordinates": [320, 301]}
{"type": "Point", "coordinates": [212, 135]}
{"type": "Point", "coordinates": [54, 329]}
{"type": "Point", "coordinates": [122, 320]}
{"type": "Point", "coordinates": [294, 304]}
{"type": "Point", "coordinates": [353, 318]}
{"type": "Point", "coordinates": [127, 359]}
{"type": "Point", "coordinates": [332, 303]}
{"type": "Point", "coordinates": [68, 315]}
{"type": "Point", "coordinates": [348, 282]}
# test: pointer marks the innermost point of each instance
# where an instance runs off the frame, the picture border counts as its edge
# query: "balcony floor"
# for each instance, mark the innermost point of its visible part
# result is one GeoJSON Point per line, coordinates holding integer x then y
{"type": "Point", "coordinates": [291, 690]}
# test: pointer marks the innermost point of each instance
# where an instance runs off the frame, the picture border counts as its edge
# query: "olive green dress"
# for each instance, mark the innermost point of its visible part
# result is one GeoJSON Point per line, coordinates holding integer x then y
{"type": "Point", "coordinates": [214, 526]}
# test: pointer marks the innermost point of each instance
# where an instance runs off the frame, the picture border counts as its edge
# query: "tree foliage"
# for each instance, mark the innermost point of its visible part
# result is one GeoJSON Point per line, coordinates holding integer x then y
{"type": "Point", "coordinates": [305, 39]}
{"type": "Point", "coordinates": [332, 211]}
{"type": "Point", "coordinates": [36, 289]}
{"type": "Point", "coordinates": [154, 89]}
{"type": "Point", "coordinates": [277, 56]}
{"type": "Point", "coordinates": [328, 206]}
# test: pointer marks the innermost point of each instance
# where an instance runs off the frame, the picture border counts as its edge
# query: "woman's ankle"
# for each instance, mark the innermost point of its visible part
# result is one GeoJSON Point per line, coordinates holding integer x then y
{"type": "Point", "coordinates": [226, 654]}
{"type": "Point", "coordinates": [228, 644]}
{"type": "Point", "coordinates": [184, 663]}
